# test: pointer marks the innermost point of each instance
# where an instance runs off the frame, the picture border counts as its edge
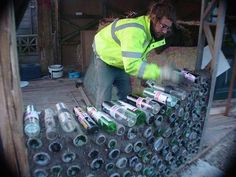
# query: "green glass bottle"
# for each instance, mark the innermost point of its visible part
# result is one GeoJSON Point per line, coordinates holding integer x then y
{"type": "Point", "coordinates": [102, 119]}
{"type": "Point", "coordinates": [148, 171]}
{"type": "Point", "coordinates": [141, 116]}
{"type": "Point", "coordinates": [119, 113]}
{"type": "Point", "coordinates": [170, 113]}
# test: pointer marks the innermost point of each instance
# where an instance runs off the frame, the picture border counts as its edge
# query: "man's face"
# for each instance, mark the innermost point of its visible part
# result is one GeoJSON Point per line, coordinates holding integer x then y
{"type": "Point", "coordinates": [162, 27]}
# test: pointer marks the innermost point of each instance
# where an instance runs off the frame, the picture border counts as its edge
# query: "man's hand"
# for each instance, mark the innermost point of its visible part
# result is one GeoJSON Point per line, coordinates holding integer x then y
{"type": "Point", "coordinates": [168, 73]}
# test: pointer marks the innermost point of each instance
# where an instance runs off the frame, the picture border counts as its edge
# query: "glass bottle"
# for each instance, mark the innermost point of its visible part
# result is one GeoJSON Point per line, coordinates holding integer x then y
{"type": "Point", "coordinates": [141, 116]}
{"type": "Point", "coordinates": [121, 162]}
{"type": "Point", "coordinates": [66, 119]}
{"type": "Point", "coordinates": [31, 122]}
{"type": "Point", "coordinates": [148, 171]}
{"type": "Point", "coordinates": [145, 104]}
{"type": "Point", "coordinates": [40, 173]}
{"type": "Point", "coordinates": [161, 97]}
{"type": "Point", "coordinates": [50, 124]}
{"type": "Point", "coordinates": [97, 163]}
{"type": "Point", "coordinates": [150, 118]}
{"type": "Point", "coordinates": [162, 109]}
{"type": "Point", "coordinates": [195, 78]}
{"type": "Point", "coordinates": [179, 93]}
{"type": "Point", "coordinates": [73, 170]}
{"type": "Point", "coordinates": [180, 111]}
{"type": "Point", "coordinates": [170, 114]}
{"type": "Point", "coordinates": [158, 144]}
{"type": "Point", "coordinates": [120, 114]}
{"type": "Point", "coordinates": [85, 120]}
{"type": "Point", "coordinates": [102, 119]}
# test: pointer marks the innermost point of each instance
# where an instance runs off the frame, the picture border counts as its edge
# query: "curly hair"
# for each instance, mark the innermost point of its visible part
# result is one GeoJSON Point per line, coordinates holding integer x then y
{"type": "Point", "coordinates": [162, 8]}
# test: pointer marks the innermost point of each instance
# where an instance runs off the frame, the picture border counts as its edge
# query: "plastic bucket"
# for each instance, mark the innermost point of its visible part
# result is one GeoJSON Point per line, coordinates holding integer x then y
{"type": "Point", "coordinates": [55, 71]}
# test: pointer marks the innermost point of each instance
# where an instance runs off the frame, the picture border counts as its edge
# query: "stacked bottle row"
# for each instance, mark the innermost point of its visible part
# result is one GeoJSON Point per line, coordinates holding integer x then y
{"type": "Point", "coordinates": [147, 135]}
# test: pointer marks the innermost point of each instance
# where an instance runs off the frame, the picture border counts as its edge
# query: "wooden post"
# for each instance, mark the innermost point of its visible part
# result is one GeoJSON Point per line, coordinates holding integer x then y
{"type": "Point", "coordinates": [45, 34]}
{"type": "Point", "coordinates": [231, 87]}
{"type": "Point", "coordinates": [201, 38]}
{"type": "Point", "coordinates": [56, 31]}
{"type": "Point", "coordinates": [215, 44]}
{"type": "Point", "coordinates": [11, 104]}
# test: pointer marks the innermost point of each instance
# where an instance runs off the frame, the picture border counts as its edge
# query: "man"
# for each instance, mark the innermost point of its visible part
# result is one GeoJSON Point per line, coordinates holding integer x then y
{"type": "Point", "coordinates": [121, 48]}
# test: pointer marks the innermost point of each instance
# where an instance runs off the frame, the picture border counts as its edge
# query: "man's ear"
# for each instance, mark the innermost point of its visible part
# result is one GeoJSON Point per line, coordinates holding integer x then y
{"type": "Point", "coordinates": [153, 18]}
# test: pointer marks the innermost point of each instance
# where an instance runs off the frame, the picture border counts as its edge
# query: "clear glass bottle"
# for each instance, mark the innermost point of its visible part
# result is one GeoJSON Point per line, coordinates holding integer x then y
{"type": "Point", "coordinates": [158, 144]}
{"type": "Point", "coordinates": [180, 111]}
{"type": "Point", "coordinates": [85, 120]}
{"type": "Point", "coordinates": [97, 163]}
{"type": "Point", "coordinates": [161, 97]}
{"type": "Point", "coordinates": [121, 162]}
{"type": "Point", "coordinates": [31, 122]}
{"type": "Point", "coordinates": [50, 124]}
{"type": "Point", "coordinates": [120, 114]}
{"type": "Point", "coordinates": [73, 170]}
{"type": "Point", "coordinates": [141, 116]}
{"type": "Point", "coordinates": [40, 173]}
{"type": "Point", "coordinates": [145, 104]}
{"type": "Point", "coordinates": [179, 93]}
{"type": "Point", "coordinates": [66, 119]}
{"type": "Point", "coordinates": [170, 113]}
{"type": "Point", "coordinates": [102, 119]}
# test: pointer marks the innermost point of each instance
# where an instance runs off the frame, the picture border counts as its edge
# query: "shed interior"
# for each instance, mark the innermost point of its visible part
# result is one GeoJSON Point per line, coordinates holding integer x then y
{"type": "Point", "coordinates": [61, 32]}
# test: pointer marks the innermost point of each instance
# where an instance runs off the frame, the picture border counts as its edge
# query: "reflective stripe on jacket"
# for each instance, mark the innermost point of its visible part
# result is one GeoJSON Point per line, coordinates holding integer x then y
{"type": "Point", "coordinates": [125, 44]}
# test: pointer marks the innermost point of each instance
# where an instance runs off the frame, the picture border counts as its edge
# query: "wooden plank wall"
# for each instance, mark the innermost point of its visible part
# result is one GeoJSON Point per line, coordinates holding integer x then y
{"type": "Point", "coordinates": [11, 107]}
{"type": "Point", "coordinates": [71, 25]}
{"type": "Point", "coordinates": [45, 34]}
{"type": "Point", "coordinates": [85, 48]}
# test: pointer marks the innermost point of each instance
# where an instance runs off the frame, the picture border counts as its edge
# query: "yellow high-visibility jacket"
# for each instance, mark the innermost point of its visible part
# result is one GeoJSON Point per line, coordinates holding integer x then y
{"type": "Point", "coordinates": [125, 44]}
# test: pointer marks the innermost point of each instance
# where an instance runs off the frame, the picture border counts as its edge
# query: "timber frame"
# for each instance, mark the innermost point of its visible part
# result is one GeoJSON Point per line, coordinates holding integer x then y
{"type": "Point", "coordinates": [214, 43]}
{"type": "Point", "coordinates": [11, 106]}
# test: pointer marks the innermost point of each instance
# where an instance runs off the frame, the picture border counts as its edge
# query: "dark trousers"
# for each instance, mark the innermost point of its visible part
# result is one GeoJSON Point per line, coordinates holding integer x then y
{"type": "Point", "coordinates": [103, 79]}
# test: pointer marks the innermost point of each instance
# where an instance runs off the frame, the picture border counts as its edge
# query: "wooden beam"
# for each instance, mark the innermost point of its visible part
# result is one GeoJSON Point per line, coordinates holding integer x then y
{"type": "Point", "coordinates": [215, 57]}
{"type": "Point", "coordinates": [104, 8]}
{"type": "Point", "coordinates": [56, 31]}
{"type": "Point", "coordinates": [11, 105]}
{"type": "Point", "coordinates": [210, 38]}
{"type": "Point", "coordinates": [77, 32]}
{"type": "Point", "coordinates": [231, 87]}
{"type": "Point", "coordinates": [209, 8]}
{"type": "Point", "coordinates": [20, 8]}
{"type": "Point", "coordinates": [201, 38]}
{"type": "Point", "coordinates": [45, 35]}
{"type": "Point", "coordinates": [190, 23]}
{"type": "Point", "coordinates": [194, 23]}
{"type": "Point", "coordinates": [68, 22]}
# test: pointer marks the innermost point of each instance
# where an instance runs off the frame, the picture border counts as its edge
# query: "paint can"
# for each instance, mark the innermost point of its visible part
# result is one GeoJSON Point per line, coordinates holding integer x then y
{"type": "Point", "coordinates": [55, 71]}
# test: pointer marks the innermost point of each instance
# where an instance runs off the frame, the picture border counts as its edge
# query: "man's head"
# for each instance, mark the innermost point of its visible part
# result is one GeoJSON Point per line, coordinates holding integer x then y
{"type": "Point", "coordinates": [162, 16]}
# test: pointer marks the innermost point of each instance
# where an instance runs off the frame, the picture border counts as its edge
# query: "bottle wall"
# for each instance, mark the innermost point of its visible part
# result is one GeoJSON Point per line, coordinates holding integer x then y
{"type": "Point", "coordinates": [156, 147]}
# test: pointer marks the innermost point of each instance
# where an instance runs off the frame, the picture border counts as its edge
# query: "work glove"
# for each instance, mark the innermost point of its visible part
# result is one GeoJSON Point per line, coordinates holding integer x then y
{"type": "Point", "coordinates": [168, 73]}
